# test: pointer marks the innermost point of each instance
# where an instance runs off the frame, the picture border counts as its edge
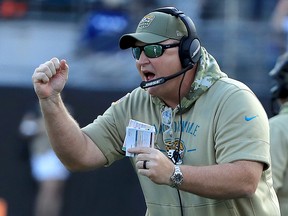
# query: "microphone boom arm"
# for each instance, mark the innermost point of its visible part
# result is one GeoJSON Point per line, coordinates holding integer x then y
{"type": "Point", "coordinates": [161, 80]}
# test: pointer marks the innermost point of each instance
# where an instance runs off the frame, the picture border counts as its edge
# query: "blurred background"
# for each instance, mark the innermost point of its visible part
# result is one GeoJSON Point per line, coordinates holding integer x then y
{"type": "Point", "coordinates": [246, 37]}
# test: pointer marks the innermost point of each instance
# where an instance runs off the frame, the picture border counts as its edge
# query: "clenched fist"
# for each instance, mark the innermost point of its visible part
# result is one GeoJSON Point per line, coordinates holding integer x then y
{"type": "Point", "coordinates": [49, 78]}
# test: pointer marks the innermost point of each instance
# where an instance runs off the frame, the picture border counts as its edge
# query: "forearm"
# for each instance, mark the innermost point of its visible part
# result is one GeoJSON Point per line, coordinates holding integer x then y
{"type": "Point", "coordinates": [225, 181]}
{"type": "Point", "coordinates": [68, 141]}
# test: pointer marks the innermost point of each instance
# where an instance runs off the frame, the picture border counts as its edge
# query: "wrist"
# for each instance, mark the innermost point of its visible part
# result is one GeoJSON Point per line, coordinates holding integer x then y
{"type": "Point", "coordinates": [50, 103]}
{"type": "Point", "coordinates": [177, 177]}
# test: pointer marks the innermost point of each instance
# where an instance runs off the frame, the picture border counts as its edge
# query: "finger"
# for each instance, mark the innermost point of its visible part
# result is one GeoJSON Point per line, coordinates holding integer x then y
{"type": "Point", "coordinates": [139, 164]}
{"type": "Point", "coordinates": [43, 68]}
{"type": "Point", "coordinates": [142, 164]}
{"type": "Point", "coordinates": [40, 77]}
{"type": "Point", "coordinates": [56, 63]}
{"type": "Point", "coordinates": [141, 158]}
{"type": "Point", "coordinates": [139, 150]}
{"type": "Point", "coordinates": [46, 68]}
{"type": "Point", "coordinates": [51, 67]}
{"type": "Point", "coordinates": [64, 65]}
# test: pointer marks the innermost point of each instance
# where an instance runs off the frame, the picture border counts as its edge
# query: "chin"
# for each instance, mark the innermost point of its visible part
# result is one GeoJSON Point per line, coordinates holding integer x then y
{"type": "Point", "coordinates": [153, 90]}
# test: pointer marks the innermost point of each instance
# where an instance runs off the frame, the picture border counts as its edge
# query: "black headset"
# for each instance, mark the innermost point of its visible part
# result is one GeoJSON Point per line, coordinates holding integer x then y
{"type": "Point", "coordinates": [280, 88]}
{"type": "Point", "coordinates": [189, 48]}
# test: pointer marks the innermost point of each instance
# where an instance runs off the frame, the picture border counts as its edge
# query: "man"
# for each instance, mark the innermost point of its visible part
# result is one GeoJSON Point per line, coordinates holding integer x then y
{"type": "Point", "coordinates": [278, 132]}
{"type": "Point", "coordinates": [211, 154]}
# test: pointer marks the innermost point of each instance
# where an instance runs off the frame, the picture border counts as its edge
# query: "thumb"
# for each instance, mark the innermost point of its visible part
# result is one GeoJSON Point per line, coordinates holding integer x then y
{"type": "Point", "coordinates": [64, 68]}
{"type": "Point", "coordinates": [63, 65]}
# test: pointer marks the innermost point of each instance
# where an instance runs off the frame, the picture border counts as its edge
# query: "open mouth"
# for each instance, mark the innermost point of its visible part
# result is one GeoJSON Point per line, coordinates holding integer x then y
{"type": "Point", "coordinates": [149, 76]}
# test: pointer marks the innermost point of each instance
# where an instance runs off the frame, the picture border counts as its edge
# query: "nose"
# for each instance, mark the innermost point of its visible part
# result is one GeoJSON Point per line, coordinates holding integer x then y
{"type": "Point", "coordinates": [143, 59]}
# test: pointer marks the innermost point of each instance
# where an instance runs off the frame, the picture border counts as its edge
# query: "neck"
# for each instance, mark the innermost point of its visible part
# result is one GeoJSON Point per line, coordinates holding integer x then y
{"type": "Point", "coordinates": [171, 99]}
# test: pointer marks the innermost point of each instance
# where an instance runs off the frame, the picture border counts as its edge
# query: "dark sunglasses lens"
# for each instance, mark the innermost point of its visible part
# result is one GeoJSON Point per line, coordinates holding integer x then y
{"type": "Point", "coordinates": [136, 51]}
{"type": "Point", "coordinates": [153, 51]}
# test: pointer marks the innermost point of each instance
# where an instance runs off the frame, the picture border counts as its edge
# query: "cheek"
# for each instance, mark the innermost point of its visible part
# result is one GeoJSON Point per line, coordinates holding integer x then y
{"type": "Point", "coordinates": [169, 66]}
{"type": "Point", "coordinates": [137, 65]}
{"type": "Point", "coordinates": [139, 69]}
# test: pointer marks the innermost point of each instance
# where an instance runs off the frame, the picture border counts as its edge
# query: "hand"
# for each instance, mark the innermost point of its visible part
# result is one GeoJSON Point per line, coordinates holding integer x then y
{"type": "Point", "coordinates": [159, 168]}
{"type": "Point", "coordinates": [49, 78]}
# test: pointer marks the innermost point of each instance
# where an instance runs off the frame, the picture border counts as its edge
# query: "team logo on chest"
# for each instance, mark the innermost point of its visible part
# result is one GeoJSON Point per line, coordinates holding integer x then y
{"type": "Point", "coordinates": [175, 150]}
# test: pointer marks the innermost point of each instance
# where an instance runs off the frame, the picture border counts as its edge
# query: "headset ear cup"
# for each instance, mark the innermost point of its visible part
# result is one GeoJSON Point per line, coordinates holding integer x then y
{"type": "Point", "coordinates": [189, 47]}
{"type": "Point", "coordinates": [195, 50]}
{"type": "Point", "coordinates": [282, 91]}
{"type": "Point", "coordinates": [189, 51]}
{"type": "Point", "coordinates": [184, 52]}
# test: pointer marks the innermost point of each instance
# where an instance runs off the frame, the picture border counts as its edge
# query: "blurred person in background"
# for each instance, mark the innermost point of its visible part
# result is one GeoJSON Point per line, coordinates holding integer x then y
{"type": "Point", "coordinates": [279, 131]}
{"type": "Point", "coordinates": [279, 24]}
{"type": "Point", "coordinates": [106, 21]}
{"type": "Point", "coordinates": [47, 170]}
{"type": "Point", "coordinates": [211, 154]}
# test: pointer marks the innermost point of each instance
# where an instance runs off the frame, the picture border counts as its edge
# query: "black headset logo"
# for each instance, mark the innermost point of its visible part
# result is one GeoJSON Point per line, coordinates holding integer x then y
{"type": "Point", "coordinates": [190, 47]}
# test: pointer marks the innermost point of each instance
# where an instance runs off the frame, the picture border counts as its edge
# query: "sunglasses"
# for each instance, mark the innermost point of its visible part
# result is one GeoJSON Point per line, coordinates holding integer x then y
{"type": "Point", "coordinates": [151, 50]}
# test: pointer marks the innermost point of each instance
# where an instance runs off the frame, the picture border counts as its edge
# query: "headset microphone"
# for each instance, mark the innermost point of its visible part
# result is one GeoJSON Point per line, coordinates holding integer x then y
{"type": "Point", "coordinates": [161, 80]}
